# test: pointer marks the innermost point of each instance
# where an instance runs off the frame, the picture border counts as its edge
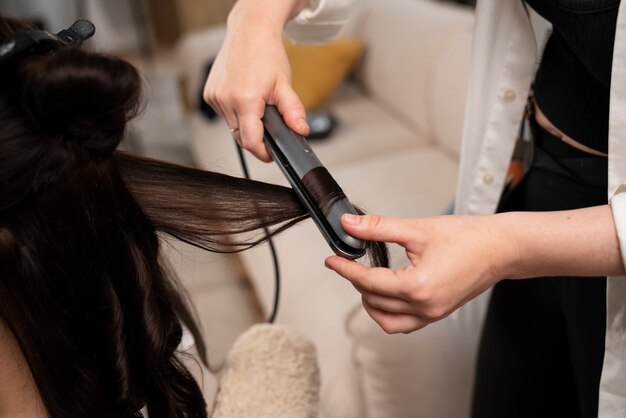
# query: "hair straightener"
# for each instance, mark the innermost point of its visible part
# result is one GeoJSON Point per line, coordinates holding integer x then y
{"type": "Point", "coordinates": [327, 203]}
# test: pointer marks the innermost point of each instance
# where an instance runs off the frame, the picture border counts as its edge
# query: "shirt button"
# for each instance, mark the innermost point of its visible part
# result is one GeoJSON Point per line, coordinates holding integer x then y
{"type": "Point", "coordinates": [488, 178]}
{"type": "Point", "coordinates": [509, 96]}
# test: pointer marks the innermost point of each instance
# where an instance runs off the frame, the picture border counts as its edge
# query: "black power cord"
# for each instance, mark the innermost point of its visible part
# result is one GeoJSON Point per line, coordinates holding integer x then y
{"type": "Point", "coordinates": [272, 318]}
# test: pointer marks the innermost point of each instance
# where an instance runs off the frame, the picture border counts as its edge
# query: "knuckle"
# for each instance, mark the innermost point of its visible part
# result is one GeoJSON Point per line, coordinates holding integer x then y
{"type": "Point", "coordinates": [207, 96]}
{"type": "Point", "coordinates": [248, 144]}
{"type": "Point", "coordinates": [283, 86]}
{"type": "Point", "coordinates": [296, 107]}
{"type": "Point", "coordinates": [246, 96]}
{"type": "Point", "coordinates": [219, 96]}
{"type": "Point", "coordinates": [291, 102]}
{"type": "Point", "coordinates": [434, 313]}
{"type": "Point", "coordinates": [421, 295]}
{"type": "Point", "coordinates": [210, 97]}
{"type": "Point", "coordinates": [373, 221]}
{"type": "Point", "coordinates": [373, 303]}
{"type": "Point", "coordinates": [368, 283]}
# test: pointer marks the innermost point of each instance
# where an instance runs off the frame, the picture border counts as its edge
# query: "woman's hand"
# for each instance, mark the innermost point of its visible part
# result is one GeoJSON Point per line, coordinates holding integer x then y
{"type": "Point", "coordinates": [452, 260]}
{"type": "Point", "coordinates": [455, 258]}
{"type": "Point", "coordinates": [252, 70]}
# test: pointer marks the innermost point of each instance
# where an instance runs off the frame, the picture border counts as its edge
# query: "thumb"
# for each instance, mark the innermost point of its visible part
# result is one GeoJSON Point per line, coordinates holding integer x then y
{"type": "Point", "coordinates": [377, 228]}
{"type": "Point", "coordinates": [292, 109]}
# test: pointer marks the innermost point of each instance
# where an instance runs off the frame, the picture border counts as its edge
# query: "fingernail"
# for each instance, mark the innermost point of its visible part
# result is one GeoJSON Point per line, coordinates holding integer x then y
{"type": "Point", "coordinates": [351, 219]}
{"type": "Point", "coordinates": [302, 124]}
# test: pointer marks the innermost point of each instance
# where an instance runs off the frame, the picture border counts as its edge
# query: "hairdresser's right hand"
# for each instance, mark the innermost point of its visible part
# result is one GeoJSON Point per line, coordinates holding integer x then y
{"type": "Point", "coordinates": [252, 70]}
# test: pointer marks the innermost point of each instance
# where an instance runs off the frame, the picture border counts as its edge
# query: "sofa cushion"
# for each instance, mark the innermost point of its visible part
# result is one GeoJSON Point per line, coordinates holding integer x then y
{"type": "Point", "coordinates": [403, 39]}
{"type": "Point", "coordinates": [314, 300]}
{"type": "Point", "coordinates": [426, 374]}
{"type": "Point", "coordinates": [365, 130]}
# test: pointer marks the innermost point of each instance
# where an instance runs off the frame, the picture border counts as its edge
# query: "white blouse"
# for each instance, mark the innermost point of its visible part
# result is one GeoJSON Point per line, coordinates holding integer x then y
{"type": "Point", "coordinates": [503, 58]}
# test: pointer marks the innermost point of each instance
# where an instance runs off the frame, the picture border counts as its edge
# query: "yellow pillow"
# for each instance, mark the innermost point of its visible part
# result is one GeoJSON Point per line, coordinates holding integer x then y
{"type": "Point", "coordinates": [317, 70]}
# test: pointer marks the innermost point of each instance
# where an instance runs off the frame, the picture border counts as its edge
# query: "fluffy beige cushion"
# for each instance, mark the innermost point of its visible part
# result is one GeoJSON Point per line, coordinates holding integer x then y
{"type": "Point", "coordinates": [271, 372]}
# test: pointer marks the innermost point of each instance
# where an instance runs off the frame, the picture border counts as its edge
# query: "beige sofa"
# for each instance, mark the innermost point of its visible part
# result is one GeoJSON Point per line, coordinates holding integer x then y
{"type": "Point", "coordinates": [394, 153]}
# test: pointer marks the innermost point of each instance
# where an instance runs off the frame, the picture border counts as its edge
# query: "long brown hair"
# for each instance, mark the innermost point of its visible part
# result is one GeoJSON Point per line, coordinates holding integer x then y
{"type": "Point", "coordinates": [81, 285]}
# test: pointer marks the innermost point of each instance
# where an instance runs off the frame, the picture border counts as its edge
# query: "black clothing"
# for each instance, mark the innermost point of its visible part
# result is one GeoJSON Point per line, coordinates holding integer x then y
{"type": "Point", "coordinates": [542, 346]}
{"type": "Point", "coordinates": [573, 79]}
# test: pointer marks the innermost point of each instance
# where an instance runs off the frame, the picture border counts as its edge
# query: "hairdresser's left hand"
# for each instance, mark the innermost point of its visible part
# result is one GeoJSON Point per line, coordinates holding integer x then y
{"type": "Point", "coordinates": [452, 260]}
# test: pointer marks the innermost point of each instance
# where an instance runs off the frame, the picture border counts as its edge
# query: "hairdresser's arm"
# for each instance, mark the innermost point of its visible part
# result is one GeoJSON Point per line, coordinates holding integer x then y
{"type": "Point", "coordinates": [455, 258]}
{"type": "Point", "coordinates": [251, 69]}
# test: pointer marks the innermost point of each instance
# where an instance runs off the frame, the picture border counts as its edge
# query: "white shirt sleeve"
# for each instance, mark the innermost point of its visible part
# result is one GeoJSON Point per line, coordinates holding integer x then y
{"type": "Point", "coordinates": [618, 206]}
{"type": "Point", "coordinates": [319, 22]}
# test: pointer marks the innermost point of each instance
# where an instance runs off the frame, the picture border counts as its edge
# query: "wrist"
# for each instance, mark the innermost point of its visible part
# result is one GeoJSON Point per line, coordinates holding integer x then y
{"type": "Point", "coordinates": [508, 249]}
{"type": "Point", "coordinates": [270, 17]}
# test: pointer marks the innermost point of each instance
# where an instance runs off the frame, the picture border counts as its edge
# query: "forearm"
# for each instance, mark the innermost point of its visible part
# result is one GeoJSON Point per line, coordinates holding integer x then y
{"type": "Point", "coordinates": [581, 242]}
{"type": "Point", "coordinates": [272, 15]}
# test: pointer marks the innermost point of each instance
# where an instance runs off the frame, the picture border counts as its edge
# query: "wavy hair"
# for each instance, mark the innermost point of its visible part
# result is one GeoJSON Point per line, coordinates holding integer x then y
{"type": "Point", "coordinates": [82, 289]}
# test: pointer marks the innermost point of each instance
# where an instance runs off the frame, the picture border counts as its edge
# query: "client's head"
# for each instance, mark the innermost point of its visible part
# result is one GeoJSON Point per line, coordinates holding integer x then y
{"type": "Point", "coordinates": [82, 290]}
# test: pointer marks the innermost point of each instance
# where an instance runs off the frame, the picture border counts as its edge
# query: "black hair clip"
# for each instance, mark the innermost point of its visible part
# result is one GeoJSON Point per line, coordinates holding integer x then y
{"type": "Point", "coordinates": [37, 41]}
